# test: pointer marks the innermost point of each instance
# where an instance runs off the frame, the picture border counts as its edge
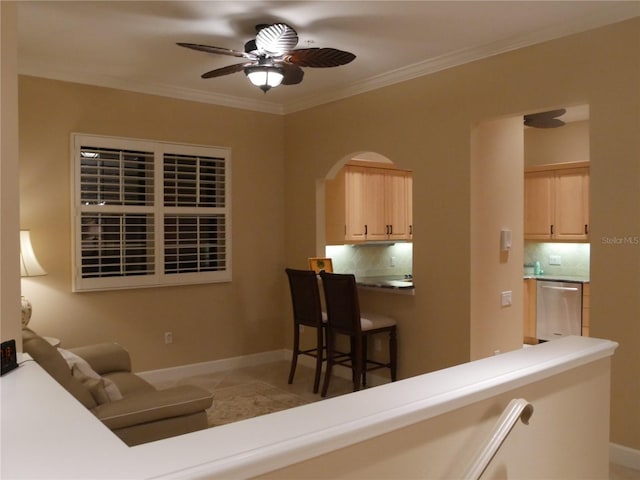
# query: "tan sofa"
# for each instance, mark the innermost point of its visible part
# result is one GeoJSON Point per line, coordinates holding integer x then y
{"type": "Point", "coordinates": [131, 407]}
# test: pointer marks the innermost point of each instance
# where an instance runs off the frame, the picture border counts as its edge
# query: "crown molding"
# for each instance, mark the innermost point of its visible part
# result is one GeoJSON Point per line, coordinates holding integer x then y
{"type": "Point", "coordinates": [463, 56]}
{"type": "Point", "coordinates": [611, 15]}
{"type": "Point", "coordinates": [37, 69]}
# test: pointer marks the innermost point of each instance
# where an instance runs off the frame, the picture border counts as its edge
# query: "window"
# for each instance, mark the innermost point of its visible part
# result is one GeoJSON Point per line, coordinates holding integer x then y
{"type": "Point", "coordinates": [149, 213]}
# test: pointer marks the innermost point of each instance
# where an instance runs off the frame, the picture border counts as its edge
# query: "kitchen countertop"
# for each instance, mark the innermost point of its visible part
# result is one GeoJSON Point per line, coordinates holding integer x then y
{"type": "Point", "coordinates": [560, 278]}
{"type": "Point", "coordinates": [397, 282]}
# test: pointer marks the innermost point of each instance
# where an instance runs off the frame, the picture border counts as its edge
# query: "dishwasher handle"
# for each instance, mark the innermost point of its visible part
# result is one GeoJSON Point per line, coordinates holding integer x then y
{"type": "Point", "coordinates": [566, 289]}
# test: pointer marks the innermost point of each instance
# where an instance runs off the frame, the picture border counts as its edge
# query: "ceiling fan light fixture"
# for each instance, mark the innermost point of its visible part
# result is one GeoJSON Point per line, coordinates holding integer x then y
{"type": "Point", "coordinates": [265, 77]}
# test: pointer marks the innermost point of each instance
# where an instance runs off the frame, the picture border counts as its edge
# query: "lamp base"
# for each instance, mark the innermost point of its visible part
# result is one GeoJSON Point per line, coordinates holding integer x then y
{"type": "Point", "coordinates": [26, 311]}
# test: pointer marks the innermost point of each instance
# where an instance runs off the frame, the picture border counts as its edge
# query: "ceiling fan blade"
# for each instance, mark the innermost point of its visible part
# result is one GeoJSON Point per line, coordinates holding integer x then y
{"type": "Point", "coordinates": [293, 74]}
{"type": "Point", "coordinates": [543, 123]}
{"type": "Point", "coordinates": [276, 39]}
{"type": "Point", "coordinates": [229, 69]}
{"type": "Point", "coordinates": [319, 57]}
{"type": "Point", "coordinates": [217, 50]}
{"type": "Point", "coordinates": [545, 119]}
{"type": "Point", "coordinates": [549, 114]}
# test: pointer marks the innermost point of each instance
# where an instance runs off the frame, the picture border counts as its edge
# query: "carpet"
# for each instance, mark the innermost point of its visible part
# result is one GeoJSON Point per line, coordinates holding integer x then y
{"type": "Point", "coordinates": [248, 400]}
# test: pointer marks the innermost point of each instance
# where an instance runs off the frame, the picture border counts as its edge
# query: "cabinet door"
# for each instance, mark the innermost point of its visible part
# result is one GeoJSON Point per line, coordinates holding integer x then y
{"type": "Point", "coordinates": [409, 183]}
{"type": "Point", "coordinates": [375, 204]}
{"type": "Point", "coordinates": [572, 204]}
{"type": "Point", "coordinates": [355, 204]}
{"type": "Point", "coordinates": [397, 217]}
{"type": "Point", "coordinates": [538, 204]}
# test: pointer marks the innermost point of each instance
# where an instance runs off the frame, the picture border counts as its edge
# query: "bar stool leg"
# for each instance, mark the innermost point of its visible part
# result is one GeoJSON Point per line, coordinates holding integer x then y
{"type": "Point", "coordinates": [393, 354]}
{"type": "Point", "coordinates": [296, 352]}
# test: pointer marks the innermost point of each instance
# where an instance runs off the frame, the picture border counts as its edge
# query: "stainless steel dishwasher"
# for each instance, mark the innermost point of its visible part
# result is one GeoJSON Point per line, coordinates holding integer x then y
{"type": "Point", "coordinates": [558, 309]}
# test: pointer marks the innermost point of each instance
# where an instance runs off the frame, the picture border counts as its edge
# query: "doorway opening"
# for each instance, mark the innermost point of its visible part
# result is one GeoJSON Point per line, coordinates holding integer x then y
{"type": "Point", "coordinates": [505, 203]}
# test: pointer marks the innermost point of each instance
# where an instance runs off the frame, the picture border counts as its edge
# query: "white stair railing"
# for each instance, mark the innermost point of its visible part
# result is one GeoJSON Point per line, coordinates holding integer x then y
{"type": "Point", "coordinates": [518, 408]}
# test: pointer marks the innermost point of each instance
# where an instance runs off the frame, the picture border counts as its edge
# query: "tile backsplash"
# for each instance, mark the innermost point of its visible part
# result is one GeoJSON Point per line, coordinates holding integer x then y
{"type": "Point", "coordinates": [574, 257]}
{"type": "Point", "coordinates": [372, 260]}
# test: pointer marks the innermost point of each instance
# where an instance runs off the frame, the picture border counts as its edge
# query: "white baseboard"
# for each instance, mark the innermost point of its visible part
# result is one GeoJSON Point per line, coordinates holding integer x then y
{"type": "Point", "coordinates": [204, 368]}
{"type": "Point", "coordinates": [214, 366]}
{"type": "Point", "coordinates": [625, 456]}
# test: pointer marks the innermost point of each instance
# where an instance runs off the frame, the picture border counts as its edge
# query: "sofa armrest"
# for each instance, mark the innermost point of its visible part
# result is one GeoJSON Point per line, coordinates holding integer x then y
{"type": "Point", "coordinates": [105, 357]}
{"type": "Point", "coordinates": [152, 406]}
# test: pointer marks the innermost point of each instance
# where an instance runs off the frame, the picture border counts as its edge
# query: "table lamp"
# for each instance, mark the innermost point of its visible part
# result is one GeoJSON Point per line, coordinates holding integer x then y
{"type": "Point", "coordinates": [29, 267]}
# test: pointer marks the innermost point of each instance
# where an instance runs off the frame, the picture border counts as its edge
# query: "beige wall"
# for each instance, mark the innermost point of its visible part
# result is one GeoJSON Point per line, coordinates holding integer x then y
{"type": "Point", "coordinates": [569, 143]}
{"type": "Point", "coordinates": [208, 321]}
{"type": "Point", "coordinates": [424, 125]}
{"type": "Point", "coordinates": [9, 193]}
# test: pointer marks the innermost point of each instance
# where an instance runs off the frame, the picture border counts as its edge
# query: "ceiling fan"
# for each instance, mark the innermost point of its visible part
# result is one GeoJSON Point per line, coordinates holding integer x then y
{"type": "Point", "coordinates": [545, 119]}
{"type": "Point", "coordinates": [271, 59]}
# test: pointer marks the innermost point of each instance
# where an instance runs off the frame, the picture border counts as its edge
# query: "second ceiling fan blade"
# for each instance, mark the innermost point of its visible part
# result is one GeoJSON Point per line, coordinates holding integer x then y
{"type": "Point", "coordinates": [229, 69]}
{"type": "Point", "coordinates": [216, 50]}
{"type": "Point", "coordinates": [293, 74]}
{"type": "Point", "coordinates": [319, 57]}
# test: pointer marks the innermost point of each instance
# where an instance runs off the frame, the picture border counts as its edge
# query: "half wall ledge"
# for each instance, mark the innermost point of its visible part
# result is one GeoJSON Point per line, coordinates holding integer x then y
{"type": "Point", "coordinates": [448, 410]}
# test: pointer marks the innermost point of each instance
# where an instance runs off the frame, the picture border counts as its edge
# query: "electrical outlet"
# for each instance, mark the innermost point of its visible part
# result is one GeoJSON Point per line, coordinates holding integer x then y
{"type": "Point", "coordinates": [555, 260]}
{"type": "Point", "coordinates": [168, 338]}
{"type": "Point", "coordinates": [392, 261]}
{"type": "Point", "coordinates": [506, 298]}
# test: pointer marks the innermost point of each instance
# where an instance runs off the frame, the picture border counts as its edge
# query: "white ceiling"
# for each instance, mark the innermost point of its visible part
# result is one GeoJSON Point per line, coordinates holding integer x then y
{"type": "Point", "coordinates": [132, 44]}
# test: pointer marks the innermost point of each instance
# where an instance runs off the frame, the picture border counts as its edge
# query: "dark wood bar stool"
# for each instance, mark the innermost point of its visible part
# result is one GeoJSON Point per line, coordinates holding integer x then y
{"type": "Point", "coordinates": [307, 310]}
{"type": "Point", "coordinates": [343, 312]}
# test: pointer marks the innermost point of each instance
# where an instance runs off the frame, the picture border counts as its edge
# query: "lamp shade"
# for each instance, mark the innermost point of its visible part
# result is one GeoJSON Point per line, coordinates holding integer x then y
{"type": "Point", "coordinates": [29, 265]}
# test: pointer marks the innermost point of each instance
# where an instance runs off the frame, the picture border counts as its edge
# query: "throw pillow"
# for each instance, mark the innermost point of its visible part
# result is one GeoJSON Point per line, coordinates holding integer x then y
{"type": "Point", "coordinates": [102, 389]}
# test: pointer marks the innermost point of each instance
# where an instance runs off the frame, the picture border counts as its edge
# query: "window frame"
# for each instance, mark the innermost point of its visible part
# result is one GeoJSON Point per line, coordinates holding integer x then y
{"type": "Point", "coordinates": [157, 213]}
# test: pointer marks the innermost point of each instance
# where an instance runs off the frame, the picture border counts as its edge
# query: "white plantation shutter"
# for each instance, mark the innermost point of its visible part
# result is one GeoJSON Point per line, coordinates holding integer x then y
{"type": "Point", "coordinates": [191, 181]}
{"type": "Point", "coordinates": [149, 213]}
{"type": "Point", "coordinates": [194, 243]}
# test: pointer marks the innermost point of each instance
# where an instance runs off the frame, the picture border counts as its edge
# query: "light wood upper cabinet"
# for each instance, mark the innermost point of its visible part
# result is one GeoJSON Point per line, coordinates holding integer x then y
{"type": "Point", "coordinates": [397, 212]}
{"type": "Point", "coordinates": [538, 209]}
{"type": "Point", "coordinates": [572, 204]}
{"type": "Point", "coordinates": [353, 220]}
{"type": "Point", "coordinates": [367, 204]}
{"type": "Point", "coordinates": [557, 204]}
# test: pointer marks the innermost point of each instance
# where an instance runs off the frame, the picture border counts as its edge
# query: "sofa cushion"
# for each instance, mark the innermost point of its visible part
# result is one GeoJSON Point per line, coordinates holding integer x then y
{"type": "Point", "coordinates": [102, 389]}
{"type": "Point", "coordinates": [105, 357]}
{"type": "Point", "coordinates": [48, 357]}
{"type": "Point", "coordinates": [129, 383]}
{"type": "Point", "coordinates": [152, 406]}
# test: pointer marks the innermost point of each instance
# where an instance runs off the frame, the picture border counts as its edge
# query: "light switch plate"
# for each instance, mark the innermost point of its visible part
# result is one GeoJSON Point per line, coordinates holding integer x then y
{"type": "Point", "coordinates": [555, 260]}
{"type": "Point", "coordinates": [506, 298]}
